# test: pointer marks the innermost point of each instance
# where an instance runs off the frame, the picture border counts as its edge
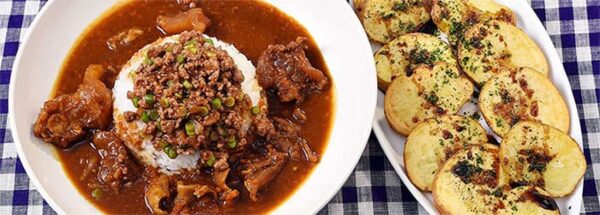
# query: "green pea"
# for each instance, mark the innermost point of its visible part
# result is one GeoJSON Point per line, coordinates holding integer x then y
{"type": "Point", "coordinates": [211, 161]}
{"type": "Point", "coordinates": [180, 58]}
{"type": "Point", "coordinates": [170, 151]}
{"type": "Point", "coordinates": [136, 101]}
{"type": "Point", "coordinates": [182, 111]}
{"type": "Point", "coordinates": [203, 111]}
{"type": "Point", "coordinates": [211, 54]}
{"type": "Point", "coordinates": [229, 102]}
{"type": "Point", "coordinates": [149, 99]}
{"type": "Point", "coordinates": [165, 102]}
{"type": "Point", "coordinates": [190, 129]}
{"type": "Point", "coordinates": [153, 114]}
{"type": "Point", "coordinates": [188, 85]}
{"type": "Point", "coordinates": [231, 142]}
{"type": "Point", "coordinates": [255, 110]}
{"type": "Point", "coordinates": [97, 193]}
{"type": "Point", "coordinates": [216, 103]}
{"type": "Point", "coordinates": [145, 117]}
{"type": "Point", "coordinates": [163, 144]}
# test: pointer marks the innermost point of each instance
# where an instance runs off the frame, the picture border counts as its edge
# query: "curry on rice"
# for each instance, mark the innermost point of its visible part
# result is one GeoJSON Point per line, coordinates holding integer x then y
{"type": "Point", "coordinates": [182, 106]}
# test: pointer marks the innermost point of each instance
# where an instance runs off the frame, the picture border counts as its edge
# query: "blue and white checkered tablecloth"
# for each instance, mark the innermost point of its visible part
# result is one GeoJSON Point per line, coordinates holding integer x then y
{"type": "Point", "coordinates": [373, 187]}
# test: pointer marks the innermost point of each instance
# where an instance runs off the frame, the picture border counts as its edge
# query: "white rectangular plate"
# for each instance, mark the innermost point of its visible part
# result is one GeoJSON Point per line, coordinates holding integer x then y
{"type": "Point", "coordinates": [393, 144]}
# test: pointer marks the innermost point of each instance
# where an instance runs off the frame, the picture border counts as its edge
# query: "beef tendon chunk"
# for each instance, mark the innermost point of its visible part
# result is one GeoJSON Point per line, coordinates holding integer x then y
{"type": "Point", "coordinates": [193, 19]}
{"type": "Point", "coordinates": [260, 170]}
{"type": "Point", "coordinates": [159, 194]}
{"type": "Point", "coordinates": [117, 168]}
{"type": "Point", "coordinates": [287, 70]}
{"type": "Point", "coordinates": [287, 139]}
{"type": "Point", "coordinates": [188, 194]}
{"type": "Point", "coordinates": [66, 118]}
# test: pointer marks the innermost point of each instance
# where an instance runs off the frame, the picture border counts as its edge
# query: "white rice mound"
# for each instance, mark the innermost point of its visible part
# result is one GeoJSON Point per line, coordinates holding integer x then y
{"type": "Point", "coordinates": [133, 131]}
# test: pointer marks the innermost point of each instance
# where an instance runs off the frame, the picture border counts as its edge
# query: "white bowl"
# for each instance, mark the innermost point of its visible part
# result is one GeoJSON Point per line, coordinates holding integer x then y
{"type": "Point", "coordinates": [332, 24]}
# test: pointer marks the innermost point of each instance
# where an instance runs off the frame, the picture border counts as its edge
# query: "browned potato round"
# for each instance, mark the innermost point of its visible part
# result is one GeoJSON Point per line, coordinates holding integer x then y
{"type": "Point", "coordinates": [433, 141]}
{"type": "Point", "coordinates": [407, 52]}
{"type": "Point", "coordinates": [385, 20]}
{"type": "Point", "coordinates": [429, 92]}
{"type": "Point", "coordinates": [452, 17]}
{"type": "Point", "coordinates": [522, 94]}
{"type": "Point", "coordinates": [472, 182]}
{"type": "Point", "coordinates": [537, 154]}
{"type": "Point", "coordinates": [487, 48]}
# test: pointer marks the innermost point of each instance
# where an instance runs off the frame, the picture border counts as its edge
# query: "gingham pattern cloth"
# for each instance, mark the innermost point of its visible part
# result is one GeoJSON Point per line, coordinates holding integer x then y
{"type": "Point", "coordinates": [373, 187]}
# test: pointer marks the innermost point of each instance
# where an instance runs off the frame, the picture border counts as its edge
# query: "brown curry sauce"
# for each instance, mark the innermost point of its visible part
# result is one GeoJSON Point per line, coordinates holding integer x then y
{"type": "Point", "coordinates": [249, 25]}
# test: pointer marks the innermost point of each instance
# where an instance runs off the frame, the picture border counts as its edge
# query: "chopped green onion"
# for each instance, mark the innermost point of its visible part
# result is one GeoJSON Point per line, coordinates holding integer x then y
{"type": "Point", "coordinates": [209, 40]}
{"type": "Point", "coordinates": [255, 110]}
{"type": "Point", "coordinates": [153, 114]}
{"type": "Point", "coordinates": [229, 102]}
{"type": "Point", "coordinates": [191, 42]}
{"type": "Point", "coordinates": [216, 103]}
{"type": "Point", "coordinates": [170, 83]}
{"type": "Point", "coordinates": [136, 101]}
{"type": "Point", "coordinates": [203, 111]}
{"type": "Point", "coordinates": [211, 160]}
{"type": "Point", "coordinates": [145, 117]}
{"type": "Point", "coordinates": [231, 142]}
{"type": "Point", "coordinates": [97, 193]}
{"type": "Point", "coordinates": [190, 129]}
{"type": "Point", "coordinates": [180, 58]}
{"type": "Point", "coordinates": [149, 99]}
{"type": "Point", "coordinates": [147, 60]}
{"type": "Point", "coordinates": [191, 46]}
{"type": "Point", "coordinates": [170, 151]}
{"type": "Point", "coordinates": [187, 84]}
{"type": "Point", "coordinates": [164, 102]}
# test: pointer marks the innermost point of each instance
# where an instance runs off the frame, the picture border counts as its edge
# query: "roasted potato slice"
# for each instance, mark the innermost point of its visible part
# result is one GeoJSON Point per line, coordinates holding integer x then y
{"type": "Point", "coordinates": [536, 154]}
{"type": "Point", "coordinates": [486, 48]}
{"type": "Point", "coordinates": [433, 141]}
{"type": "Point", "coordinates": [520, 94]}
{"type": "Point", "coordinates": [385, 20]}
{"type": "Point", "coordinates": [428, 93]}
{"type": "Point", "coordinates": [452, 17]}
{"type": "Point", "coordinates": [401, 56]}
{"type": "Point", "coordinates": [472, 182]}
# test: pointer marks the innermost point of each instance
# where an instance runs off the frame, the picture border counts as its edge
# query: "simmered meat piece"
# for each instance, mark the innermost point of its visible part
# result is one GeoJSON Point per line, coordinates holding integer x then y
{"type": "Point", "coordinates": [158, 194]}
{"type": "Point", "coordinates": [258, 171]}
{"type": "Point", "coordinates": [117, 168]}
{"type": "Point", "coordinates": [187, 194]}
{"type": "Point", "coordinates": [288, 139]}
{"type": "Point", "coordinates": [123, 38]}
{"type": "Point", "coordinates": [66, 119]}
{"type": "Point", "coordinates": [193, 19]}
{"type": "Point", "coordinates": [287, 70]}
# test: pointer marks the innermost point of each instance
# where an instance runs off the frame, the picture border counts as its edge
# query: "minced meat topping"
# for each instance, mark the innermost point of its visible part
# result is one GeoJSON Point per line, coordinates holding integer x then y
{"type": "Point", "coordinates": [189, 94]}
